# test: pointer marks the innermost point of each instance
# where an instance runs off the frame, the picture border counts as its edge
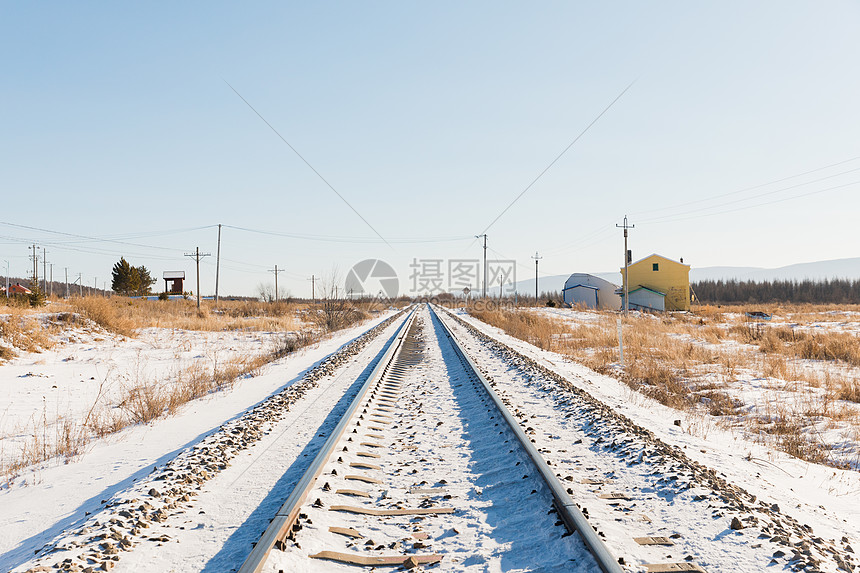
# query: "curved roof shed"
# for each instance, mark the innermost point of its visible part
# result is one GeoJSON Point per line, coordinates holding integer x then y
{"type": "Point", "coordinates": [591, 292]}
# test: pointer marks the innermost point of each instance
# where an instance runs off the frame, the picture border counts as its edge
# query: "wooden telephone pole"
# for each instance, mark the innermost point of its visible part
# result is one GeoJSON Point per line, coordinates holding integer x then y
{"type": "Point", "coordinates": [197, 255]}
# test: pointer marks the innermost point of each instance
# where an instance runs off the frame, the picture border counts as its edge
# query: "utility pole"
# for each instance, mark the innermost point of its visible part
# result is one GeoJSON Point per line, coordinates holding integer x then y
{"type": "Point", "coordinates": [35, 266]}
{"type": "Point", "coordinates": [197, 255]}
{"type": "Point", "coordinates": [80, 282]}
{"type": "Point", "coordinates": [625, 226]}
{"type": "Point", "coordinates": [537, 258]}
{"type": "Point", "coordinates": [67, 282]}
{"type": "Point", "coordinates": [7, 278]}
{"type": "Point", "coordinates": [313, 280]}
{"type": "Point", "coordinates": [218, 268]}
{"type": "Point", "coordinates": [484, 291]}
{"type": "Point", "coordinates": [51, 282]}
{"type": "Point", "coordinates": [95, 286]}
{"type": "Point", "coordinates": [276, 271]}
{"type": "Point", "coordinates": [44, 270]}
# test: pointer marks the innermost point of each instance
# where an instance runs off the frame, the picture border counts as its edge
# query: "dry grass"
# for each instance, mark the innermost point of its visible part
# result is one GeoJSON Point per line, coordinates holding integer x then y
{"type": "Point", "coordinates": [696, 361]}
{"type": "Point", "coordinates": [143, 400]}
{"type": "Point", "coordinates": [125, 315]}
{"type": "Point", "coordinates": [22, 330]}
{"type": "Point", "coordinates": [106, 312]}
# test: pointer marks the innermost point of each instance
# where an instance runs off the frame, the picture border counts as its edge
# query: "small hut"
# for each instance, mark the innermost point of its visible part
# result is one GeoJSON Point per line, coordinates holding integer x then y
{"type": "Point", "coordinates": [173, 282]}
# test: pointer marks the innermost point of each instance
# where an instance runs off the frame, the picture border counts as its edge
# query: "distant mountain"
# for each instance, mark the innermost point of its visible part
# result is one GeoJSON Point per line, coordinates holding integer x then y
{"type": "Point", "coordinates": [819, 270]}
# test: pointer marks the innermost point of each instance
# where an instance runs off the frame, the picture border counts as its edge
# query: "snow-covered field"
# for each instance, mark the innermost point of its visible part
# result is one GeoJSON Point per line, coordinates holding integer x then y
{"type": "Point", "coordinates": [53, 496]}
{"type": "Point", "coordinates": [194, 490]}
{"type": "Point", "coordinates": [825, 499]}
{"type": "Point", "coordinates": [793, 381]}
{"type": "Point", "coordinates": [88, 370]}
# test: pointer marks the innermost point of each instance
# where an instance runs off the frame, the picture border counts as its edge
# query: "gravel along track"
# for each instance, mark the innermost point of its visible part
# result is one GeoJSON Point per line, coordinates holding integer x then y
{"type": "Point", "coordinates": [634, 488]}
{"type": "Point", "coordinates": [204, 508]}
{"type": "Point", "coordinates": [431, 453]}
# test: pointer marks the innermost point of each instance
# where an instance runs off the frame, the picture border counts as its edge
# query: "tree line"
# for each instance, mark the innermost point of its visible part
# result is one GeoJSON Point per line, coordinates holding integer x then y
{"type": "Point", "coordinates": [834, 291]}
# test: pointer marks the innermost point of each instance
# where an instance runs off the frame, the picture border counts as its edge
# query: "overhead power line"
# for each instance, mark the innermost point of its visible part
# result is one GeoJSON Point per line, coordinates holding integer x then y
{"type": "Point", "coordinates": [559, 156]}
{"type": "Point", "coordinates": [756, 196]}
{"type": "Point", "coordinates": [108, 239]}
{"type": "Point", "coordinates": [759, 186]}
{"type": "Point", "coordinates": [306, 162]}
{"type": "Point", "coordinates": [346, 239]}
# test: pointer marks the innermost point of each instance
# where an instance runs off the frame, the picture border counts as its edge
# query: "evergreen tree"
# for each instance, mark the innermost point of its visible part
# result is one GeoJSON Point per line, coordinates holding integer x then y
{"type": "Point", "coordinates": [125, 279]}
{"type": "Point", "coordinates": [145, 281]}
{"type": "Point", "coordinates": [36, 296]}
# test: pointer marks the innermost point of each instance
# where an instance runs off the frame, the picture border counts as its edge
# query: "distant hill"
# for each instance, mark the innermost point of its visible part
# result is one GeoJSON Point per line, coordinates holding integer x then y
{"type": "Point", "coordinates": [819, 270]}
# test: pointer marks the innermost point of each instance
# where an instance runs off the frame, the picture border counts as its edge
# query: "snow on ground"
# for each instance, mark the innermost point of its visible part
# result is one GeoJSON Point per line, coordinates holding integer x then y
{"type": "Point", "coordinates": [212, 529]}
{"type": "Point", "coordinates": [89, 368]}
{"type": "Point", "coordinates": [772, 387]}
{"type": "Point", "coordinates": [826, 499]}
{"type": "Point", "coordinates": [54, 496]}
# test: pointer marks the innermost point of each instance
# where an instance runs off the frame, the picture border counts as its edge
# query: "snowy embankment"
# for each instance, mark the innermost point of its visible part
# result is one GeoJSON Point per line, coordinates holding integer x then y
{"type": "Point", "coordinates": [53, 496]}
{"type": "Point", "coordinates": [809, 497]}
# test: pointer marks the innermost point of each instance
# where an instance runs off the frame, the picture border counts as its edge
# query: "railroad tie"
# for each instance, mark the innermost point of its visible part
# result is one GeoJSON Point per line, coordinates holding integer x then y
{"type": "Point", "coordinates": [364, 466]}
{"type": "Point", "coordinates": [356, 559]}
{"type": "Point", "coordinates": [347, 531]}
{"type": "Point", "coordinates": [389, 512]}
{"type": "Point", "coordinates": [353, 492]}
{"type": "Point", "coordinates": [365, 479]}
{"type": "Point", "coordinates": [653, 541]}
{"type": "Point", "coordinates": [674, 568]}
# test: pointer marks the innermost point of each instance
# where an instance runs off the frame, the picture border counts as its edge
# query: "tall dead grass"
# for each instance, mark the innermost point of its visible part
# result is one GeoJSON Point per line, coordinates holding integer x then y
{"type": "Point", "coordinates": [106, 312]}
{"type": "Point", "coordinates": [125, 315]}
{"type": "Point", "coordinates": [23, 330]}
{"type": "Point", "coordinates": [142, 401]}
{"type": "Point", "coordinates": [685, 361]}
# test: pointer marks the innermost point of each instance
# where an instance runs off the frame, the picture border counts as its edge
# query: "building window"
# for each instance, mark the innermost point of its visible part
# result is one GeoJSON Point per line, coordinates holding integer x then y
{"type": "Point", "coordinates": [655, 267]}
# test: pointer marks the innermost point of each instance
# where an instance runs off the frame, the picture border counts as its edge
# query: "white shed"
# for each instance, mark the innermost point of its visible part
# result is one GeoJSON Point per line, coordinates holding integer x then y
{"type": "Point", "coordinates": [591, 292]}
{"type": "Point", "coordinates": [644, 298]}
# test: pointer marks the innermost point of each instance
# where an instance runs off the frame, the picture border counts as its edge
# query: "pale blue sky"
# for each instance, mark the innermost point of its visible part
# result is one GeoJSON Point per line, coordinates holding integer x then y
{"type": "Point", "coordinates": [429, 118]}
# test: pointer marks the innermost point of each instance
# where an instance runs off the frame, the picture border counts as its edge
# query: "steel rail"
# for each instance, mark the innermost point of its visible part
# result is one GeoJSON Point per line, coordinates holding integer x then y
{"type": "Point", "coordinates": [570, 514]}
{"type": "Point", "coordinates": [281, 526]}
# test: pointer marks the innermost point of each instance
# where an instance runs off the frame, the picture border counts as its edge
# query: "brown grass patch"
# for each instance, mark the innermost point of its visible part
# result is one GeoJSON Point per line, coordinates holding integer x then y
{"type": "Point", "coordinates": [21, 330]}
{"type": "Point", "coordinates": [105, 312]}
{"type": "Point", "coordinates": [686, 360]}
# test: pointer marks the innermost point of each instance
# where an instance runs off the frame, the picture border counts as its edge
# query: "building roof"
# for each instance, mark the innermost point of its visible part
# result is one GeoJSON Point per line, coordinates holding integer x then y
{"type": "Point", "coordinates": [585, 279]}
{"type": "Point", "coordinates": [579, 285]}
{"type": "Point", "coordinates": [648, 289]}
{"type": "Point", "coordinates": [660, 256]}
{"type": "Point", "coordinates": [640, 287]}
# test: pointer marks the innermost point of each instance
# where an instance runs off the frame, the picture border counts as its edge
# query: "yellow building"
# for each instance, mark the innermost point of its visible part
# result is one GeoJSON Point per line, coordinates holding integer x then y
{"type": "Point", "coordinates": [660, 277]}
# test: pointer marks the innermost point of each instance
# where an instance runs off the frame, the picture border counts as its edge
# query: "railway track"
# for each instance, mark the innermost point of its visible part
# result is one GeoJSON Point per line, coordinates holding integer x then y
{"type": "Point", "coordinates": [445, 449]}
{"type": "Point", "coordinates": [428, 468]}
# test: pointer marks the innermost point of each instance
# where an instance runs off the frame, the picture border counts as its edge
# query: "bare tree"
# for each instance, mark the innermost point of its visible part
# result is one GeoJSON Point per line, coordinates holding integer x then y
{"type": "Point", "coordinates": [336, 311]}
